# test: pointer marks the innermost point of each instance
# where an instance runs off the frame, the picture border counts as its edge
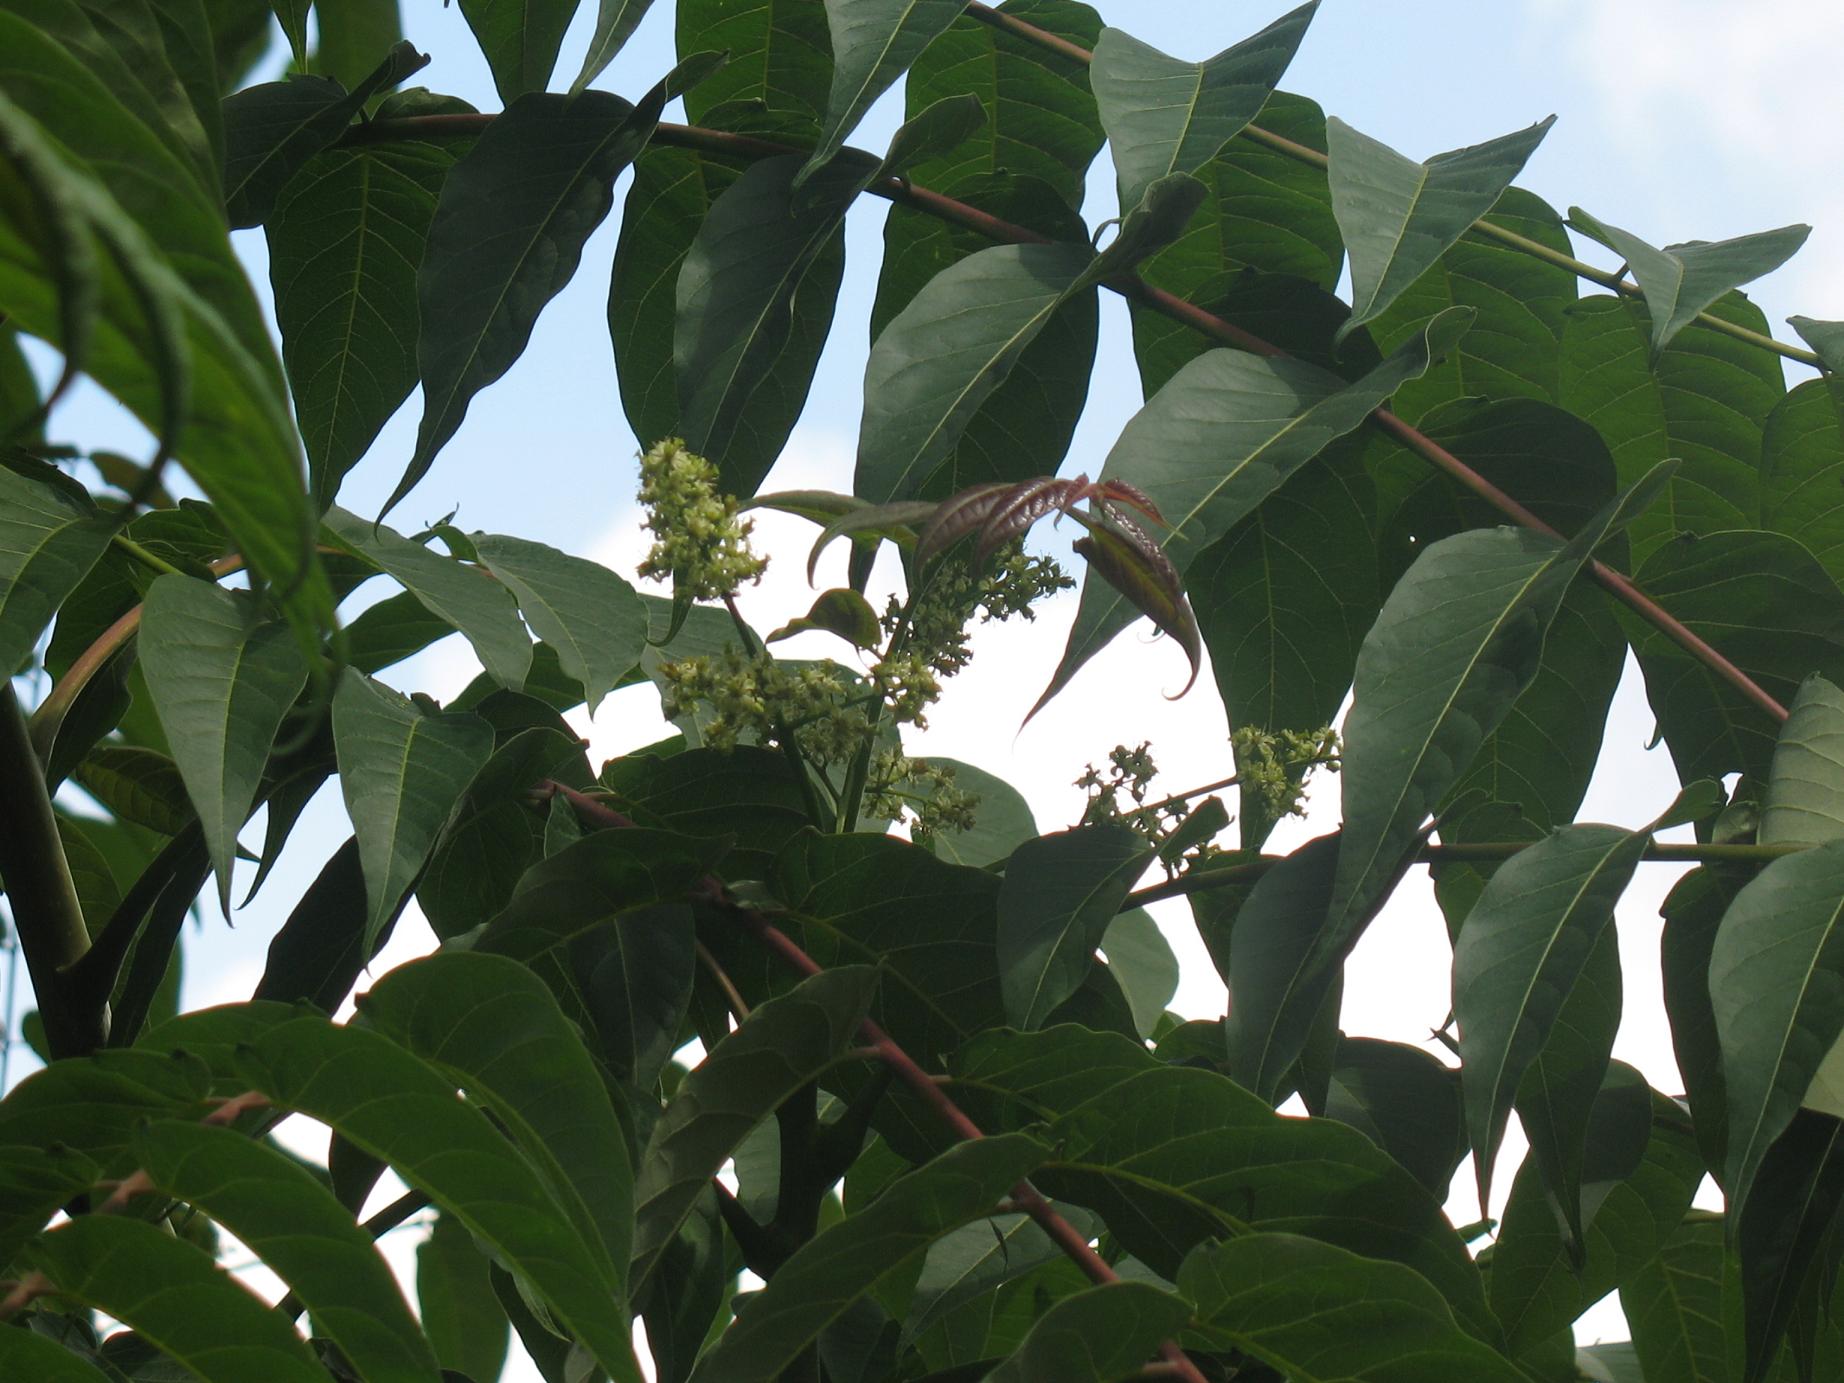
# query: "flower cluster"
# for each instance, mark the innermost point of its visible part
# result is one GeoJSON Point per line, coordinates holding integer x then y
{"type": "Point", "coordinates": [1272, 768]}
{"type": "Point", "coordinates": [755, 699]}
{"type": "Point", "coordinates": [1130, 772]}
{"type": "Point", "coordinates": [955, 593]}
{"type": "Point", "coordinates": [1182, 833]}
{"type": "Point", "coordinates": [698, 539]}
{"type": "Point", "coordinates": [899, 788]}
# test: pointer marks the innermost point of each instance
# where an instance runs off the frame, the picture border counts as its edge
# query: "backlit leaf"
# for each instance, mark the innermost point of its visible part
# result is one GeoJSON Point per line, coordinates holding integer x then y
{"type": "Point", "coordinates": [1805, 788]}
{"type": "Point", "coordinates": [519, 39]}
{"type": "Point", "coordinates": [49, 540]}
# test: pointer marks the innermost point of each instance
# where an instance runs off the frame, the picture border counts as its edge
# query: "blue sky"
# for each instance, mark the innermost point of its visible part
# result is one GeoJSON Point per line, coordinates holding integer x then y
{"type": "Point", "coordinates": [1679, 119]}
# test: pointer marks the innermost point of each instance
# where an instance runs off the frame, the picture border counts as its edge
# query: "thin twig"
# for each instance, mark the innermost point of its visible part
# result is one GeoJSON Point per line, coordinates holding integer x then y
{"type": "Point", "coordinates": [737, 1004]}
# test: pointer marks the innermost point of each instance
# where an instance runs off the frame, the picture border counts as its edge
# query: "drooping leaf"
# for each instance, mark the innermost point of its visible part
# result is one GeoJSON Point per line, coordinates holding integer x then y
{"type": "Point", "coordinates": [947, 352]}
{"type": "Point", "coordinates": [345, 242]}
{"type": "Point", "coordinates": [507, 234]}
{"type": "Point", "coordinates": [483, 610]}
{"type": "Point", "coordinates": [172, 1294]}
{"type": "Point", "coordinates": [1398, 216]}
{"type": "Point", "coordinates": [1060, 894]}
{"type": "Point", "coordinates": [841, 611]}
{"type": "Point", "coordinates": [1825, 338]}
{"type": "Point", "coordinates": [1273, 994]}
{"type": "Point", "coordinates": [1785, 1240]}
{"type": "Point", "coordinates": [1683, 1307]}
{"type": "Point", "coordinates": [519, 39]}
{"type": "Point", "coordinates": [873, 43]}
{"type": "Point", "coordinates": [489, 1023]}
{"type": "Point", "coordinates": [293, 1223]}
{"type": "Point", "coordinates": [781, 1046]}
{"type": "Point", "coordinates": [1802, 460]}
{"type": "Point", "coordinates": [222, 681]}
{"type": "Point", "coordinates": [762, 254]}
{"type": "Point", "coordinates": [1703, 402]}
{"type": "Point", "coordinates": [462, 1317]}
{"type": "Point", "coordinates": [272, 131]}
{"type": "Point", "coordinates": [319, 951]}
{"type": "Point", "coordinates": [824, 1276]}
{"type": "Point", "coordinates": [1805, 787]}
{"type": "Point", "coordinates": [395, 1107]}
{"type": "Point", "coordinates": [1143, 964]}
{"type": "Point", "coordinates": [1405, 1100]}
{"type": "Point", "coordinates": [1523, 302]}
{"type": "Point", "coordinates": [1776, 981]}
{"type": "Point", "coordinates": [401, 771]}
{"type": "Point", "coordinates": [1164, 115]}
{"type": "Point", "coordinates": [1040, 118]}
{"type": "Point", "coordinates": [1102, 1334]}
{"type": "Point", "coordinates": [1218, 439]}
{"type": "Point", "coordinates": [592, 617]}
{"type": "Point", "coordinates": [1524, 943]}
{"type": "Point", "coordinates": [1537, 1287]}
{"type": "Point", "coordinates": [1761, 601]}
{"type": "Point", "coordinates": [1680, 281]}
{"type": "Point", "coordinates": [50, 537]}
{"type": "Point", "coordinates": [1458, 639]}
{"type": "Point", "coordinates": [1312, 1310]}
{"type": "Point", "coordinates": [1138, 572]}
{"type": "Point", "coordinates": [142, 786]}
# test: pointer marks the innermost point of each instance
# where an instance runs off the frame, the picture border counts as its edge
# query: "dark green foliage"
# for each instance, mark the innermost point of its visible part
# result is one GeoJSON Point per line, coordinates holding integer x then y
{"type": "Point", "coordinates": [702, 1008]}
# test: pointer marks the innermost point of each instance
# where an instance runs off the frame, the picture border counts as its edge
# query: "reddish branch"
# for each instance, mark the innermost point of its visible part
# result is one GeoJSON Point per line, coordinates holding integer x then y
{"type": "Point", "coordinates": [1024, 1196]}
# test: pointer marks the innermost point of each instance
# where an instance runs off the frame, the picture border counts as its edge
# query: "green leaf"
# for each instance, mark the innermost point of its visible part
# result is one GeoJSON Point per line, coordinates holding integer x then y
{"type": "Point", "coordinates": [872, 899]}
{"type": "Point", "coordinates": [175, 1296]}
{"type": "Point", "coordinates": [1761, 601]}
{"type": "Point", "coordinates": [49, 540]}
{"type": "Point", "coordinates": [519, 39]}
{"type": "Point", "coordinates": [1524, 943]}
{"type": "Point", "coordinates": [1785, 1240]}
{"type": "Point", "coordinates": [615, 22]}
{"type": "Point", "coordinates": [294, 1225]}
{"type": "Point", "coordinates": [1692, 912]}
{"type": "Point", "coordinates": [948, 351]}
{"type": "Point", "coordinates": [761, 256]}
{"type": "Point", "coordinates": [1825, 338]}
{"type": "Point", "coordinates": [1537, 1287]}
{"type": "Point", "coordinates": [780, 1047]}
{"type": "Point", "coordinates": [491, 1025]}
{"type": "Point", "coordinates": [483, 610]}
{"type": "Point", "coordinates": [1680, 281]}
{"type": "Point", "coordinates": [1703, 402]}
{"type": "Point", "coordinates": [221, 682]}
{"type": "Point", "coordinates": [292, 15]}
{"type": "Point", "coordinates": [1458, 639]}
{"type": "Point", "coordinates": [1523, 302]}
{"type": "Point", "coordinates": [873, 43]}
{"type": "Point", "coordinates": [1681, 1307]}
{"type": "Point", "coordinates": [393, 1106]}
{"type": "Point", "coordinates": [138, 785]}
{"type": "Point", "coordinates": [1218, 439]}
{"type": "Point", "coordinates": [841, 611]}
{"type": "Point", "coordinates": [1174, 1156]}
{"type": "Point", "coordinates": [588, 614]}
{"type": "Point", "coordinates": [1001, 822]}
{"type": "Point", "coordinates": [272, 131]}
{"type": "Point", "coordinates": [1303, 560]}
{"type": "Point", "coordinates": [1802, 461]}
{"type": "Point", "coordinates": [463, 1318]}
{"type": "Point", "coordinates": [1315, 1311]}
{"type": "Point", "coordinates": [1273, 995]}
{"type": "Point", "coordinates": [978, 1259]}
{"type": "Point", "coordinates": [1104, 1334]}
{"type": "Point", "coordinates": [827, 1274]}
{"type": "Point", "coordinates": [27, 1354]}
{"type": "Point", "coordinates": [1040, 118]}
{"type": "Point", "coordinates": [749, 795]}
{"type": "Point", "coordinates": [401, 771]}
{"type": "Point", "coordinates": [507, 235]}
{"type": "Point", "coordinates": [189, 351]}
{"type": "Point", "coordinates": [1060, 893]}
{"type": "Point", "coordinates": [1398, 217]}
{"type": "Point", "coordinates": [1804, 802]}
{"type": "Point", "coordinates": [345, 241]}
{"type": "Point", "coordinates": [1165, 116]}
{"type": "Point", "coordinates": [350, 34]}
{"type": "Point", "coordinates": [1777, 984]}
{"type": "Point", "coordinates": [780, 60]}
{"type": "Point", "coordinates": [1405, 1100]}
{"type": "Point", "coordinates": [1141, 960]}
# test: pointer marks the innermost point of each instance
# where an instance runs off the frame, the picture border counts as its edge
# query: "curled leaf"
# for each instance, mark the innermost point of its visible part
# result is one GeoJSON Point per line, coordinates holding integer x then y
{"type": "Point", "coordinates": [1024, 506]}
{"type": "Point", "coordinates": [840, 611]}
{"type": "Point", "coordinates": [1128, 559]}
{"type": "Point", "coordinates": [874, 522]}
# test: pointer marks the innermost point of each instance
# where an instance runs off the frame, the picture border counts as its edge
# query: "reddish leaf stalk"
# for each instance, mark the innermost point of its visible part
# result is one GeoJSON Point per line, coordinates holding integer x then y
{"type": "Point", "coordinates": [1168, 305]}
{"type": "Point", "coordinates": [1025, 1196]}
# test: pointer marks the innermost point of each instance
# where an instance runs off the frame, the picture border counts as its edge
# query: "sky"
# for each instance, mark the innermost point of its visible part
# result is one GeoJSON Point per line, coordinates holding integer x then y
{"type": "Point", "coordinates": [1679, 119]}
